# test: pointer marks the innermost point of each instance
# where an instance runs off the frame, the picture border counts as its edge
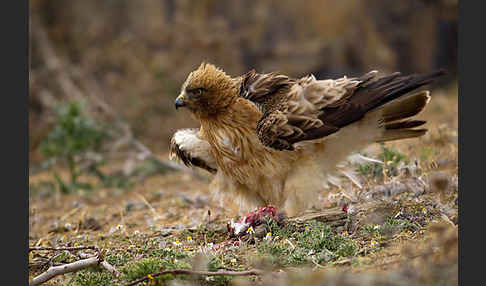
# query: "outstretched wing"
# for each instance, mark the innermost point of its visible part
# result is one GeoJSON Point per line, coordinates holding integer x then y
{"type": "Point", "coordinates": [314, 109]}
{"type": "Point", "coordinates": [189, 148]}
{"type": "Point", "coordinates": [311, 102]}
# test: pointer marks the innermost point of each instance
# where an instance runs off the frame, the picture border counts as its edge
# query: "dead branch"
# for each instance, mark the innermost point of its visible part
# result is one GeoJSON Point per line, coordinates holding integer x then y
{"type": "Point", "coordinates": [63, 269]}
{"type": "Point", "coordinates": [110, 268]}
{"type": "Point", "coordinates": [34, 248]}
{"type": "Point", "coordinates": [86, 262]}
{"type": "Point", "coordinates": [199, 273]}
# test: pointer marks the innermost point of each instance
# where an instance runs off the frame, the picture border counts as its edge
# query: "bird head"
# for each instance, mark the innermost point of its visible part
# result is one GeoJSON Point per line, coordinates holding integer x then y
{"type": "Point", "coordinates": [207, 91]}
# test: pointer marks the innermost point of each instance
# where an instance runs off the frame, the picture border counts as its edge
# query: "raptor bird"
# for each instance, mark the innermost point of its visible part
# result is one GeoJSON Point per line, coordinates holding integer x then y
{"type": "Point", "coordinates": [270, 139]}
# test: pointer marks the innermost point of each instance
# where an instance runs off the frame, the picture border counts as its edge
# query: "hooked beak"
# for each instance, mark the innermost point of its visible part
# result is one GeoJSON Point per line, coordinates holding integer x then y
{"type": "Point", "coordinates": [179, 102]}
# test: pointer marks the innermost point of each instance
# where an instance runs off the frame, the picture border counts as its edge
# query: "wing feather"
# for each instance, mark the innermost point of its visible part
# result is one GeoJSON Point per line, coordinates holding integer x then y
{"type": "Point", "coordinates": [308, 109]}
{"type": "Point", "coordinates": [189, 148]}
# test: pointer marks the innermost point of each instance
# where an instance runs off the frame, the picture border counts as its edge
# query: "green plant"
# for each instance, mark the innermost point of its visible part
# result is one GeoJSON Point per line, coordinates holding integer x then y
{"type": "Point", "coordinates": [371, 229]}
{"type": "Point", "coordinates": [390, 158]}
{"type": "Point", "coordinates": [93, 276]}
{"type": "Point", "coordinates": [150, 265]}
{"type": "Point", "coordinates": [73, 137]}
{"type": "Point", "coordinates": [399, 224]}
{"type": "Point", "coordinates": [296, 246]}
{"type": "Point", "coordinates": [138, 269]}
{"type": "Point", "coordinates": [118, 259]}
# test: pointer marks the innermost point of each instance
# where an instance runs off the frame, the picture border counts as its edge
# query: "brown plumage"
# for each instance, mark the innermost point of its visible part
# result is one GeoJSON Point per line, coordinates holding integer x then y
{"type": "Point", "coordinates": [271, 139]}
{"type": "Point", "coordinates": [308, 109]}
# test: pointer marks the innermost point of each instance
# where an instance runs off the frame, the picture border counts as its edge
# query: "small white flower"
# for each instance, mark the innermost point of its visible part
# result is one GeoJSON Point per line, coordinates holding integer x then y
{"type": "Point", "coordinates": [119, 227]}
{"type": "Point", "coordinates": [250, 230]}
{"type": "Point", "coordinates": [233, 260]}
{"type": "Point", "coordinates": [136, 232]}
{"type": "Point", "coordinates": [68, 225]}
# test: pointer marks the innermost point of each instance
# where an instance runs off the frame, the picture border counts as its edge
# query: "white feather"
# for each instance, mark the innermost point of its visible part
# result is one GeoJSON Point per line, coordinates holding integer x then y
{"type": "Point", "coordinates": [189, 142]}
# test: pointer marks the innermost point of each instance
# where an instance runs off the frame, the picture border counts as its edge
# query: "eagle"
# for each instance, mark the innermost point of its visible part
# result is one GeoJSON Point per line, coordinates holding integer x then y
{"type": "Point", "coordinates": [270, 139]}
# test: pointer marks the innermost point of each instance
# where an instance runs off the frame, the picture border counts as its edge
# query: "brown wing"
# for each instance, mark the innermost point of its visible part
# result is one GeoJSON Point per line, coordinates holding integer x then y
{"type": "Point", "coordinates": [317, 108]}
{"type": "Point", "coordinates": [258, 87]}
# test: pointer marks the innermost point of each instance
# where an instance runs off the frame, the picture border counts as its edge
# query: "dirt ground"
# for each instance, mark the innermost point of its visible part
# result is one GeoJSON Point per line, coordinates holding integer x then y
{"type": "Point", "coordinates": [166, 222]}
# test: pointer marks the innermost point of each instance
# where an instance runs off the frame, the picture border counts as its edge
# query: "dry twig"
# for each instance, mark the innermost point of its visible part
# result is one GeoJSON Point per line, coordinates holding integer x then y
{"type": "Point", "coordinates": [34, 248]}
{"type": "Point", "coordinates": [110, 268]}
{"type": "Point", "coordinates": [63, 269]}
{"type": "Point", "coordinates": [86, 261]}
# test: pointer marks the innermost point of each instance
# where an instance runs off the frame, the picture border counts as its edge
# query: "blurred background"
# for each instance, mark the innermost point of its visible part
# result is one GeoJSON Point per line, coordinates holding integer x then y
{"type": "Point", "coordinates": [127, 59]}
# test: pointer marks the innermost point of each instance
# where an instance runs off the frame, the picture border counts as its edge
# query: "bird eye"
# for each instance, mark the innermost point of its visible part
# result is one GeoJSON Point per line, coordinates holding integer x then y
{"type": "Point", "coordinates": [198, 92]}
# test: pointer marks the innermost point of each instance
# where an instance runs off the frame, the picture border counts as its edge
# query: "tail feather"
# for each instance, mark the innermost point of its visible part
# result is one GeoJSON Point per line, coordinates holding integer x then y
{"type": "Point", "coordinates": [387, 94]}
{"type": "Point", "coordinates": [406, 106]}
{"type": "Point", "coordinates": [396, 113]}
{"type": "Point", "coordinates": [405, 124]}
{"type": "Point", "coordinates": [388, 88]}
{"type": "Point", "coordinates": [396, 134]}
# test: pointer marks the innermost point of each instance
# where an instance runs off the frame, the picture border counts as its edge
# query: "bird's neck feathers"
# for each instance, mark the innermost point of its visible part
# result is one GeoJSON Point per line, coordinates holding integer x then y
{"type": "Point", "coordinates": [240, 114]}
{"type": "Point", "coordinates": [232, 133]}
